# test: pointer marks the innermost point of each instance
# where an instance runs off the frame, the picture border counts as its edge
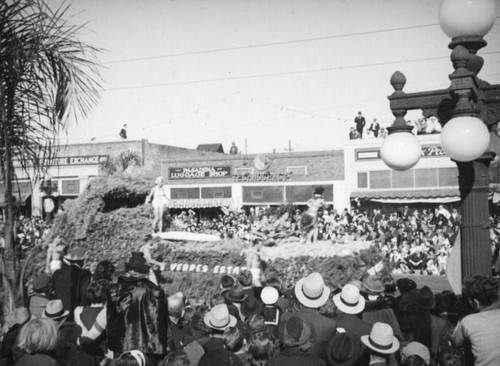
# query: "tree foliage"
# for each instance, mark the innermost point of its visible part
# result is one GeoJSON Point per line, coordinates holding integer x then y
{"type": "Point", "coordinates": [120, 163]}
{"type": "Point", "coordinates": [48, 80]}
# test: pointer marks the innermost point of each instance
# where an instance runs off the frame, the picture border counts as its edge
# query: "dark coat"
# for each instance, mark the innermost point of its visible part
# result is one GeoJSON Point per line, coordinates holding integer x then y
{"type": "Point", "coordinates": [138, 318]}
{"type": "Point", "coordinates": [295, 357]}
{"type": "Point", "coordinates": [70, 285]}
{"type": "Point", "coordinates": [37, 359]}
{"type": "Point", "coordinates": [352, 324]}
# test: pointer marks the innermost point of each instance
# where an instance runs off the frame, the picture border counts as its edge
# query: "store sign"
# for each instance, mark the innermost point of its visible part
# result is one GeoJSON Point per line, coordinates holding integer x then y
{"type": "Point", "coordinates": [430, 151]}
{"type": "Point", "coordinates": [73, 160]}
{"type": "Point", "coordinates": [262, 177]}
{"type": "Point", "coordinates": [199, 172]}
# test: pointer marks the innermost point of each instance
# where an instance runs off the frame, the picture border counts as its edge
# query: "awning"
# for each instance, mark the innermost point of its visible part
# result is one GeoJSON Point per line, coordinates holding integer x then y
{"type": "Point", "coordinates": [199, 202]}
{"type": "Point", "coordinates": [21, 191]}
{"type": "Point", "coordinates": [444, 195]}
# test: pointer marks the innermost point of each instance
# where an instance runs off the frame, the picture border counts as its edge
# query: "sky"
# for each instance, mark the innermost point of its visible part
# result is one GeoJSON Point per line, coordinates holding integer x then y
{"type": "Point", "coordinates": [267, 74]}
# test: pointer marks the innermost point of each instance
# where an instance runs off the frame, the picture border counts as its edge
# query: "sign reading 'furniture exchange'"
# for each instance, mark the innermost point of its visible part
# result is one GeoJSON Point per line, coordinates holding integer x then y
{"type": "Point", "coordinates": [199, 172]}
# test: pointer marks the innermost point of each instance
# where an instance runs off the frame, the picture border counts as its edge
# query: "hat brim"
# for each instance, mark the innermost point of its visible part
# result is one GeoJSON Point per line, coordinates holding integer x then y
{"type": "Point", "coordinates": [395, 345]}
{"type": "Point", "coordinates": [228, 297]}
{"type": "Point", "coordinates": [356, 309]}
{"type": "Point", "coordinates": [308, 302]}
{"type": "Point", "coordinates": [64, 315]}
{"type": "Point", "coordinates": [208, 316]}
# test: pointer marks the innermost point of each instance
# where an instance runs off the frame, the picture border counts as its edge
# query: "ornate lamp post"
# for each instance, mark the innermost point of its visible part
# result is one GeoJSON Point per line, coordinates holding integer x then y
{"type": "Point", "coordinates": [467, 110]}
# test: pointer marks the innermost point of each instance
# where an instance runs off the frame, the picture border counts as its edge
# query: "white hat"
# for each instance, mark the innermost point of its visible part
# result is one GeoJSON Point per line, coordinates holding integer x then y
{"type": "Point", "coordinates": [218, 318]}
{"type": "Point", "coordinates": [349, 301]}
{"type": "Point", "coordinates": [381, 339]}
{"type": "Point", "coordinates": [269, 295]}
{"type": "Point", "coordinates": [311, 291]}
{"type": "Point", "coordinates": [416, 348]}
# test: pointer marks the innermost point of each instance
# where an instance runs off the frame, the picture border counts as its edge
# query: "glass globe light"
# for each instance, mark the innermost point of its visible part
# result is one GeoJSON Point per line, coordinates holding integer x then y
{"type": "Point", "coordinates": [401, 150]}
{"type": "Point", "coordinates": [465, 138]}
{"type": "Point", "coordinates": [467, 17]}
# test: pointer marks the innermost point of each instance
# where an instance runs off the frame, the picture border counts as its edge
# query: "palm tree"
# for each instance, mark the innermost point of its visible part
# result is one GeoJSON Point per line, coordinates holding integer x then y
{"type": "Point", "coordinates": [48, 80]}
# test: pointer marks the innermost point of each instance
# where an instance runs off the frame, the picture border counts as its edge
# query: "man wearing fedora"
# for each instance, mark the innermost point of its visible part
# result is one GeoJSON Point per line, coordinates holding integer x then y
{"type": "Point", "coordinates": [312, 293]}
{"type": "Point", "coordinates": [295, 334]}
{"type": "Point", "coordinates": [218, 320]}
{"type": "Point", "coordinates": [382, 344]}
{"type": "Point", "coordinates": [350, 305]}
{"type": "Point", "coordinates": [70, 282]}
{"type": "Point", "coordinates": [138, 316]}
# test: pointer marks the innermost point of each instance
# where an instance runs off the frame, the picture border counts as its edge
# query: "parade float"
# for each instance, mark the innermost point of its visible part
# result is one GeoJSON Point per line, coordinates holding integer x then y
{"type": "Point", "coordinates": [110, 221]}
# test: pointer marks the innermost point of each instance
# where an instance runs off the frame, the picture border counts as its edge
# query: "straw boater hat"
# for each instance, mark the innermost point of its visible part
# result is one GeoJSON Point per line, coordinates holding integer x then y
{"type": "Point", "coordinates": [381, 339]}
{"type": "Point", "coordinates": [55, 310]}
{"type": "Point", "coordinates": [311, 291]}
{"type": "Point", "coordinates": [218, 318]}
{"type": "Point", "coordinates": [349, 301]}
{"type": "Point", "coordinates": [373, 284]}
{"type": "Point", "coordinates": [235, 294]}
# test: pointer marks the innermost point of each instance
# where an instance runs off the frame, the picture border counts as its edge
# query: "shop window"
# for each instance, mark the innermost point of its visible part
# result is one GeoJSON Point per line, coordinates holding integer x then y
{"type": "Point", "coordinates": [257, 195]}
{"type": "Point", "coordinates": [426, 177]}
{"type": "Point", "coordinates": [184, 193]}
{"type": "Point", "coordinates": [380, 179]}
{"type": "Point", "coordinates": [216, 192]}
{"type": "Point", "coordinates": [363, 180]}
{"type": "Point", "coordinates": [243, 171]}
{"type": "Point", "coordinates": [402, 179]}
{"type": "Point", "coordinates": [448, 176]}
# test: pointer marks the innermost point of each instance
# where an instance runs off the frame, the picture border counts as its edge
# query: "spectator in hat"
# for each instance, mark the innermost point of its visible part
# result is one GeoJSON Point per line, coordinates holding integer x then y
{"type": "Point", "coordinates": [133, 357]}
{"type": "Point", "coordinates": [350, 305]}
{"type": "Point", "coordinates": [138, 318]}
{"type": "Point", "coordinates": [414, 360]}
{"type": "Point", "coordinates": [271, 311]}
{"type": "Point", "coordinates": [377, 308]}
{"type": "Point", "coordinates": [37, 341]}
{"type": "Point", "coordinates": [236, 295]}
{"type": "Point", "coordinates": [295, 336]}
{"type": "Point", "coordinates": [70, 282]}
{"type": "Point", "coordinates": [235, 342]}
{"type": "Point", "coordinates": [416, 349]}
{"type": "Point", "coordinates": [251, 306]}
{"type": "Point", "coordinates": [40, 295]}
{"type": "Point", "coordinates": [345, 349]}
{"type": "Point", "coordinates": [312, 293]}
{"type": "Point", "coordinates": [226, 283]}
{"type": "Point", "coordinates": [429, 330]}
{"type": "Point", "coordinates": [481, 330]}
{"type": "Point", "coordinates": [55, 311]}
{"type": "Point", "coordinates": [381, 344]}
{"type": "Point", "coordinates": [360, 122]}
{"type": "Point", "coordinates": [218, 320]}
{"type": "Point", "coordinates": [176, 358]}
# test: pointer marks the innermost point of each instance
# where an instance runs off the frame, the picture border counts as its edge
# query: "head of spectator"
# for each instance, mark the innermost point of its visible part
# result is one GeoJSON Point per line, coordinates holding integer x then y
{"type": "Point", "coordinates": [217, 299]}
{"type": "Point", "coordinates": [175, 305]}
{"type": "Point", "coordinates": [381, 339]}
{"type": "Point", "coordinates": [416, 348]}
{"type": "Point", "coordinates": [483, 291]}
{"type": "Point", "coordinates": [261, 347]}
{"type": "Point", "coordinates": [425, 299]}
{"type": "Point", "coordinates": [344, 349]}
{"type": "Point", "coordinates": [236, 294]}
{"type": "Point", "coordinates": [251, 306]}
{"type": "Point", "coordinates": [39, 335]}
{"type": "Point", "coordinates": [176, 358]}
{"type": "Point", "coordinates": [226, 283]}
{"type": "Point", "coordinates": [97, 292]}
{"type": "Point", "coordinates": [133, 358]}
{"type": "Point", "coordinates": [373, 286]}
{"type": "Point", "coordinates": [137, 264]}
{"type": "Point", "coordinates": [55, 311]}
{"type": "Point", "coordinates": [269, 295]}
{"type": "Point", "coordinates": [245, 278]}
{"type": "Point", "coordinates": [406, 285]}
{"type": "Point", "coordinates": [349, 301]}
{"type": "Point", "coordinates": [311, 291]}
{"type": "Point", "coordinates": [41, 284]}
{"type": "Point", "coordinates": [389, 285]}
{"type": "Point", "coordinates": [233, 339]}
{"type": "Point", "coordinates": [295, 332]}
{"type": "Point", "coordinates": [452, 359]}
{"type": "Point", "coordinates": [104, 271]}
{"type": "Point", "coordinates": [414, 360]}
{"type": "Point", "coordinates": [75, 256]}
{"type": "Point", "coordinates": [218, 319]}
{"type": "Point", "coordinates": [274, 282]}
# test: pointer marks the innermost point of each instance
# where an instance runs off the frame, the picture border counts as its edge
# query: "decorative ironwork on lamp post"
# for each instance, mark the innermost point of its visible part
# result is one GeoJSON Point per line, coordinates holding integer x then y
{"type": "Point", "coordinates": [467, 110]}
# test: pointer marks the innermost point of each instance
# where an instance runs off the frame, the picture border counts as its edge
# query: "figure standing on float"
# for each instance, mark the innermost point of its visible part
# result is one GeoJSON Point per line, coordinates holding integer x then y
{"type": "Point", "coordinates": [158, 197]}
{"type": "Point", "coordinates": [309, 220]}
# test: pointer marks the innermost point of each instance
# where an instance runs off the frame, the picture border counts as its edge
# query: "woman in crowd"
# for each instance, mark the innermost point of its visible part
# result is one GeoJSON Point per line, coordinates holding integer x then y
{"type": "Point", "coordinates": [37, 340]}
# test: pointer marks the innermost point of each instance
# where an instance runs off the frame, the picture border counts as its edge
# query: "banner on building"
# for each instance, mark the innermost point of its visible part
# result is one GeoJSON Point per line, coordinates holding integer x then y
{"type": "Point", "coordinates": [199, 172]}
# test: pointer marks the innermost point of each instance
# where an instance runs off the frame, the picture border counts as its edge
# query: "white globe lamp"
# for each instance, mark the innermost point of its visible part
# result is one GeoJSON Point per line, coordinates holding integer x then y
{"type": "Point", "coordinates": [465, 138]}
{"type": "Point", "coordinates": [401, 150]}
{"type": "Point", "coordinates": [467, 17]}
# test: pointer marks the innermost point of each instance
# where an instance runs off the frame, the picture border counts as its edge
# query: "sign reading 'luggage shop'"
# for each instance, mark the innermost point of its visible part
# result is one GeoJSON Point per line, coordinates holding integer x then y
{"type": "Point", "coordinates": [199, 172]}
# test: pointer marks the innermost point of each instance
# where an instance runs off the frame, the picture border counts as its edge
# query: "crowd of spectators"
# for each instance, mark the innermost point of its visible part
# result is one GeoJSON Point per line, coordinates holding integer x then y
{"type": "Point", "coordinates": [413, 240]}
{"type": "Point", "coordinates": [73, 317]}
{"type": "Point", "coordinates": [421, 126]}
{"type": "Point", "coordinates": [29, 232]}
